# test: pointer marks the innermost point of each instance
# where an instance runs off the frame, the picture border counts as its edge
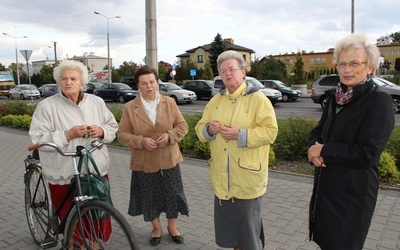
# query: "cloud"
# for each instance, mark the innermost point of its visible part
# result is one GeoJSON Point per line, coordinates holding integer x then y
{"type": "Point", "coordinates": [267, 27]}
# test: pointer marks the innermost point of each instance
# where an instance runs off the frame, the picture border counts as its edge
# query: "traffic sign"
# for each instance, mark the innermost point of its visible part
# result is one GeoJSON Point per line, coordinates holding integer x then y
{"type": "Point", "coordinates": [26, 53]}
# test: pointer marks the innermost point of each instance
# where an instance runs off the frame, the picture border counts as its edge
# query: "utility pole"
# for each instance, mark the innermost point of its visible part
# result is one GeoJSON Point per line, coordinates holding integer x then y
{"type": "Point", "coordinates": [352, 16]}
{"type": "Point", "coordinates": [151, 34]}
{"type": "Point", "coordinates": [55, 53]}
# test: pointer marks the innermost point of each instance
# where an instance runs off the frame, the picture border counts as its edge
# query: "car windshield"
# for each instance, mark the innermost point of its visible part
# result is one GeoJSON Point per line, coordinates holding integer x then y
{"type": "Point", "coordinates": [280, 84]}
{"type": "Point", "coordinates": [172, 86]}
{"type": "Point", "coordinates": [255, 82]}
{"type": "Point", "coordinates": [383, 82]}
{"type": "Point", "coordinates": [123, 86]}
{"type": "Point", "coordinates": [28, 87]}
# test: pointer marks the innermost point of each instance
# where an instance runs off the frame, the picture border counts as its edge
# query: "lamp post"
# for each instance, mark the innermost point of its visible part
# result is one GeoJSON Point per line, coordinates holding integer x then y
{"type": "Point", "coordinates": [108, 43]}
{"type": "Point", "coordinates": [16, 53]}
{"type": "Point", "coordinates": [55, 52]}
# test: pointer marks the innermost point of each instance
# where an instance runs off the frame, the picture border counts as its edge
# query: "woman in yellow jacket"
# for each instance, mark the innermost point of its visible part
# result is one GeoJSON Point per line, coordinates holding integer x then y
{"type": "Point", "coordinates": [240, 124]}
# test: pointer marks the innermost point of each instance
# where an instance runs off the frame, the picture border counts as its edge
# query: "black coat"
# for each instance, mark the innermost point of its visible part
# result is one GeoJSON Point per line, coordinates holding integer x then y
{"type": "Point", "coordinates": [345, 191]}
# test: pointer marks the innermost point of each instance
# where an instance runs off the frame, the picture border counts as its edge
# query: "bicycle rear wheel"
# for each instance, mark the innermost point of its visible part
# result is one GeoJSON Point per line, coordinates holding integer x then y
{"type": "Point", "coordinates": [103, 227]}
{"type": "Point", "coordinates": [38, 207]}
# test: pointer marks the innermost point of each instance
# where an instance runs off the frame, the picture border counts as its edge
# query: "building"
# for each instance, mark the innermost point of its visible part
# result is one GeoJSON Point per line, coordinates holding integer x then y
{"type": "Point", "coordinates": [315, 61]}
{"type": "Point", "coordinates": [200, 54]}
{"type": "Point", "coordinates": [92, 62]}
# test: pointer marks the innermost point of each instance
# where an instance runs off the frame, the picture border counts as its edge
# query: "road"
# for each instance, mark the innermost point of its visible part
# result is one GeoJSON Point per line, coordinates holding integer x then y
{"type": "Point", "coordinates": [302, 107]}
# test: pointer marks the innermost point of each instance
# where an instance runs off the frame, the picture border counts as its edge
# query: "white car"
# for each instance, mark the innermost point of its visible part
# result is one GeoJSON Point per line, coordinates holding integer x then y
{"type": "Point", "coordinates": [180, 95]}
{"type": "Point", "coordinates": [24, 91]}
{"type": "Point", "coordinates": [273, 95]}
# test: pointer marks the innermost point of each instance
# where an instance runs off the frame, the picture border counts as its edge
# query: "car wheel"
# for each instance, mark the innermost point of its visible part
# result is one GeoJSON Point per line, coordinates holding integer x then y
{"type": "Point", "coordinates": [175, 98]}
{"type": "Point", "coordinates": [121, 99]}
{"type": "Point", "coordinates": [285, 98]}
{"type": "Point", "coordinates": [396, 104]}
{"type": "Point", "coordinates": [323, 101]}
{"type": "Point", "coordinates": [22, 97]}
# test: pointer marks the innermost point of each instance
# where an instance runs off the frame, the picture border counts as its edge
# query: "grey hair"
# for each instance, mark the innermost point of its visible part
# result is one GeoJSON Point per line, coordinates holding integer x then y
{"type": "Point", "coordinates": [74, 65]}
{"type": "Point", "coordinates": [231, 54]}
{"type": "Point", "coordinates": [358, 41]}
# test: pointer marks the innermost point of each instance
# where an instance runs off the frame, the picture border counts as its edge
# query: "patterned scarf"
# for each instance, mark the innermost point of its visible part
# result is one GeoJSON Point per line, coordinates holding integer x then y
{"type": "Point", "coordinates": [343, 95]}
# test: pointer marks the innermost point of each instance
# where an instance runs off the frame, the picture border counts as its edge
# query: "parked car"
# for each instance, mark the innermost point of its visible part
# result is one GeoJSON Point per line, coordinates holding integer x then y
{"type": "Point", "coordinates": [273, 95]}
{"type": "Point", "coordinates": [327, 82]}
{"type": "Point", "coordinates": [49, 89]}
{"type": "Point", "coordinates": [288, 94]}
{"type": "Point", "coordinates": [202, 88]}
{"type": "Point", "coordinates": [180, 95]}
{"type": "Point", "coordinates": [91, 86]}
{"type": "Point", "coordinates": [24, 91]}
{"type": "Point", "coordinates": [129, 80]}
{"type": "Point", "coordinates": [119, 92]}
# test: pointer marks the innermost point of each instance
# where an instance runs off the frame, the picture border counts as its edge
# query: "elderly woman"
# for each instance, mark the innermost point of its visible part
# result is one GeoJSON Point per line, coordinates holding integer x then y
{"type": "Point", "coordinates": [151, 126]}
{"type": "Point", "coordinates": [240, 125]}
{"type": "Point", "coordinates": [345, 148]}
{"type": "Point", "coordinates": [68, 119]}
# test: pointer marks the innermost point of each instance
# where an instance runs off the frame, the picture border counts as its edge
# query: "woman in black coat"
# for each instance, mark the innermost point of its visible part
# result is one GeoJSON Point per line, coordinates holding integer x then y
{"type": "Point", "coordinates": [345, 148]}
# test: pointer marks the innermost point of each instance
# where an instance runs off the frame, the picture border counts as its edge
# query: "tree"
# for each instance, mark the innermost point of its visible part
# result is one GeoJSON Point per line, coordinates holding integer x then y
{"type": "Point", "coordinates": [2, 67]}
{"type": "Point", "coordinates": [299, 74]}
{"type": "Point", "coordinates": [268, 68]}
{"type": "Point", "coordinates": [183, 70]}
{"type": "Point", "coordinates": [397, 65]}
{"type": "Point", "coordinates": [162, 71]}
{"type": "Point", "coordinates": [127, 69]}
{"type": "Point", "coordinates": [207, 73]}
{"type": "Point", "coordinates": [217, 47]}
{"type": "Point", "coordinates": [395, 37]}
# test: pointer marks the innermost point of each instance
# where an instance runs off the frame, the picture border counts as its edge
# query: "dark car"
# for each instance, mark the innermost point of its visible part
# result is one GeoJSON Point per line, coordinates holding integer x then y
{"type": "Point", "coordinates": [288, 94]}
{"type": "Point", "coordinates": [89, 87]}
{"type": "Point", "coordinates": [119, 92]}
{"type": "Point", "coordinates": [49, 89]}
{"type": "Point", "coordinates": [129, 80]}
{"type": "Point", "coordinates": [328, 82]}
{"type": "Point", "coordinates": [202, 88]}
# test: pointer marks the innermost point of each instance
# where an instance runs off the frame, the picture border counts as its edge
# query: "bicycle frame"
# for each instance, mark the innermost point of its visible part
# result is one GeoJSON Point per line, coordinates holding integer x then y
{"type": "Point", "coordinates": [79, 198]}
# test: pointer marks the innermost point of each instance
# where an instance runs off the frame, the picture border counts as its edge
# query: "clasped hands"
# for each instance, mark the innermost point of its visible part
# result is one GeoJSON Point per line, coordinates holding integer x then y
{"type": "Point", "coordinates": [150, 144]}
{"type": "Point", "coordinates": [92, 131]}
{"type": "Point", "coordinates": [314, 155]}
{"type": "Point", "coordinates": [228, 132]}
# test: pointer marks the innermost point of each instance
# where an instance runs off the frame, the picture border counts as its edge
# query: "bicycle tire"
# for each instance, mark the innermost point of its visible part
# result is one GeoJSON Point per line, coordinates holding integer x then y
{"type": "Point", "coordinates": [38, 208]}
{"type": "Point", "coordinates": [97, 233]}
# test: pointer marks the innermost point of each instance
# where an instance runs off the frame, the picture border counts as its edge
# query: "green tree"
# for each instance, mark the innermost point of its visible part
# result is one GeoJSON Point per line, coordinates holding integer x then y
{"type": "Point", "coordinates": [162, 71]}
{"type": "Point", "coordinates": [127, 69]}
{"type": "Point", "coordinates": [397, 65]}
{"type": "Point", "coordinates": [395, 37]}
{"type": "Point", "coordinates": [2, 67]}
{"type": "Point", "coordinates": [183, 70]}
{"type": "Point", "coordinates": [217, 47]}
{"type": "Point", "coordinates": [268, 68]}
{"type": "Point", "coordinates": [207, 73]}
{"type": "Point", "coordinates": [299, 74]}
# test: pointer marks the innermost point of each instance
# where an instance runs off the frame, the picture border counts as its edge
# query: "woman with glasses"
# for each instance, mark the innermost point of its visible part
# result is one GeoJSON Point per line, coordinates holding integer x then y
{"type": "Point", "coordinates": [345, 148]}
{"type": "Point", "coordinates": [240, 125]}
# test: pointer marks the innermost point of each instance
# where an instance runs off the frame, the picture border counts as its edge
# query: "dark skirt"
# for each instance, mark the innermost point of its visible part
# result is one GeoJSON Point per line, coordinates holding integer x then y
{"type": "Point", "coordinates": [154, 193]}
{"type": "Point", "coordinates": [238, 223]}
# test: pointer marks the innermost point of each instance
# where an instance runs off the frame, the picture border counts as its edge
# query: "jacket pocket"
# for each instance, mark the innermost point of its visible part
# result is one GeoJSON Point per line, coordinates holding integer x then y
{"type": "Point", "coordinates": [249, 165]}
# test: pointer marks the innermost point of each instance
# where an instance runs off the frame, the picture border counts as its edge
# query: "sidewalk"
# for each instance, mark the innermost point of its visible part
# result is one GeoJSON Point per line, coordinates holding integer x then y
{"type": "Point", "coordinates": [285, 205]}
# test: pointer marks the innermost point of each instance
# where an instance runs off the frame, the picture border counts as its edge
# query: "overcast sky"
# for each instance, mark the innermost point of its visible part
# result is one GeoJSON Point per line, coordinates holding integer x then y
{"type": "Point", "coordinates": [269, 27]}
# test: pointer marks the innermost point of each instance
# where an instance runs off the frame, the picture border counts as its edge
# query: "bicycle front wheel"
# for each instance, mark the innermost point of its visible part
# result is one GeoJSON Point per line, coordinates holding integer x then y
{"type": "Point", "coordinates": [100, 226]}
{"type": "Point", "coordinates": [38, 207]}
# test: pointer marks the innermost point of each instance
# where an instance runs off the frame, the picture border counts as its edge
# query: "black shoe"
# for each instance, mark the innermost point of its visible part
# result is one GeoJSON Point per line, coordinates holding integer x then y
{"type": "Point", "coordinates": [177, 239]}
{"type": "Point", "coordinates": [154, 241]}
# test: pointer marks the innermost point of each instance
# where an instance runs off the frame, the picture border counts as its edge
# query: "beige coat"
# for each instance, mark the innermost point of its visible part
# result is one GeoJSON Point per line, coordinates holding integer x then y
{"type": "Point", "coordinates": [135, 124]}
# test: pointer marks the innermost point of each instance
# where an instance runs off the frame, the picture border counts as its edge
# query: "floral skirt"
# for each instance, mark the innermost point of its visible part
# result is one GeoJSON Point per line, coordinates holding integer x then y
{"type": "Point", "coordinates": [154, 193]}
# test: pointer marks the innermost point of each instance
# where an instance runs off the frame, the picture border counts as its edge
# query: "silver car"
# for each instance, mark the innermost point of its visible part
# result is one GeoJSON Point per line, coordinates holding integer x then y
{"type": "Point", "coordinates": [24, 91]}
{"type": "Point", "coordinates": [177, 93]}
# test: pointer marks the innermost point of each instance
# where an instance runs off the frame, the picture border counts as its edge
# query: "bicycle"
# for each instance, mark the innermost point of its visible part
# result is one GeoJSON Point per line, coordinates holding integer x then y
{"type": "Point", "coordinates": [82, 229]}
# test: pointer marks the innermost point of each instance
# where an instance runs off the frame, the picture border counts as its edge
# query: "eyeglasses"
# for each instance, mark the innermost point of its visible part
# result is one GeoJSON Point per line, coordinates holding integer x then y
{"type": "Point", "coordinates": [226, 71]}
{"type": "Point", "coordinates": [352, 64]}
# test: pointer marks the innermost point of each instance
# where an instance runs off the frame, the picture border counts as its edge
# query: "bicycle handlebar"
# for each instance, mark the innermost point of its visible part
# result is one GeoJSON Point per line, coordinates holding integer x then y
{"type": "Point", "coordinates": [96, 144]}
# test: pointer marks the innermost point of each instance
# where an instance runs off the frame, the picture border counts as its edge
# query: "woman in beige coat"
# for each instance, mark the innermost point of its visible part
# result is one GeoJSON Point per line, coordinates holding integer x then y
{"type": "Point", "coordinates": [151, 126]}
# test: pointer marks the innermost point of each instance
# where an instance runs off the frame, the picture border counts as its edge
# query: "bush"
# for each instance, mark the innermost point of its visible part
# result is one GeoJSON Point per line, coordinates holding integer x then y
{"type": "Point", "coordinates": [117, 112]}
{"type": "Point", "coordinates": [392, 146]}
{"type": "Point", "coordinates": [16, 121]}
{"type": "Point", "coordinates": [3, 109]}
{"type": "Point", "coordinates": [292, 140]}
{"type": "Point", "coordinates": [388, 172]}
{"type": "Point", "coordinates": [20, 108]}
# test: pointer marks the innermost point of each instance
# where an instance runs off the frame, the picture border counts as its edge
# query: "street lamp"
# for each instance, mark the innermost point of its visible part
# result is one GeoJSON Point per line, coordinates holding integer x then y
{"type": "Point", "coordinates": [55, 52]}
{"type": "Point", "coordinates": [16, 53]}
{"type": "Point", "coordinates": [108, 42]}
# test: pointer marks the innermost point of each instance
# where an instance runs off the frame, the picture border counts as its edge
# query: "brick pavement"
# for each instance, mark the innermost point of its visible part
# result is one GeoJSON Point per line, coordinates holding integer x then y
{"type": "Point", "coordinates": [285, 206]}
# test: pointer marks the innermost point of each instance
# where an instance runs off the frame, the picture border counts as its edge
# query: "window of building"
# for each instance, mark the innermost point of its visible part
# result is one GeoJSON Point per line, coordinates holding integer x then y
{"type": "Point", "coordinates": [318, 61]}
{"type": "Point", "coordinates": [323, 61]}
{"type": "Point", "coordinates": [200, 58]}
{"type": "Point", "coordinates": [312, 61]}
